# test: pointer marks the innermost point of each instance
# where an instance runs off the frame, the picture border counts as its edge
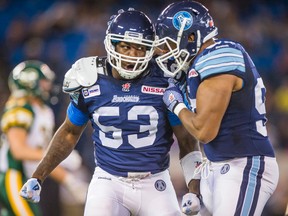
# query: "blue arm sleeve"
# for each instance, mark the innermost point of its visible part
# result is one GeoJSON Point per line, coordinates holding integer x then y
{"type": "Point", "coordinates": [76, 116]}
{"type": "Point", "coordinates": [173, 119]}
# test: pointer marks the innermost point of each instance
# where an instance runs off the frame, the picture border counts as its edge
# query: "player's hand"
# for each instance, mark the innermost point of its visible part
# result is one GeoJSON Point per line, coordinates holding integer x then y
{"type": "Point", "coordinates": [31, 190]}
{"type": "Point", "coordinates": [173, 97]}
{"type": "Point", "coordinates": [77, 188]}
{"type": "Point", "coordinates": [191, 204]}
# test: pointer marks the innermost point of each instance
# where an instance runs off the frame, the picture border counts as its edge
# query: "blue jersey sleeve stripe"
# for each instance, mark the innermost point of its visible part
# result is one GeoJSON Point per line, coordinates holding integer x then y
{"type": "Point", "coordinates": [76, 116]}
{"type": "Point", "coordinates": [223, 57]}
{"type": "Point", "coordinates": [221, 68]}
{"type": "Point", "coordinates": [220, 61]}
{"type": "Point", "coordinates": [173, 119]}
{"type": "Point", "coordinates": [229, 51]}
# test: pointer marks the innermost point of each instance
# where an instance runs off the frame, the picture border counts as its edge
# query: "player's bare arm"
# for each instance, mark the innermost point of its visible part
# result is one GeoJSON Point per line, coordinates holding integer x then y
{"type": "Point", "coordinates": [212, 100]}
{"type": "Point", "coordinates": [187, 143]}
{"type": "Point", "coordinates": [19, 147]}
{"type": "Point", "coordinates": [21, 150]}
{"type": "Point", "coordinates": [59, 148]}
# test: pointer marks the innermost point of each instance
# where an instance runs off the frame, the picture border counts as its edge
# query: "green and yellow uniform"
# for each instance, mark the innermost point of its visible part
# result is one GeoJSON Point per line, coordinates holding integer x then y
{"type": "Point", "coordinates": [38, 121]}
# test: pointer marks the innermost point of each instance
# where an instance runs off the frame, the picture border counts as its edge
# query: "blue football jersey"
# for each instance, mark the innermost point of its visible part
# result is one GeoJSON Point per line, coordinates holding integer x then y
{"type": "Point", "coordinates": [131, 128]}
{"type": "Point", "coordinates": [243, 127]}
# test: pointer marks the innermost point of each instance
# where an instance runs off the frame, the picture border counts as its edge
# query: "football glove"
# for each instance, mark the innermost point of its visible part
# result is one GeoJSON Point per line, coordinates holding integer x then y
{"type": "Point", "coordinates": [191, 204]}
{"type": "Point", "coordinates": [173, 97]}
{"type": "Point", "coordinates": [31, 190]}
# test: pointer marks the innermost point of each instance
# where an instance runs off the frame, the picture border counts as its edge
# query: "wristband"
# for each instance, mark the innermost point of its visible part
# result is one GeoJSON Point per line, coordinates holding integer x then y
{"type": "Point", "coordinates": [39, 181]}
{"type": "Point", "coordinates": [189, 163]}
{"type": "Point", "coordinates": [178, 108]}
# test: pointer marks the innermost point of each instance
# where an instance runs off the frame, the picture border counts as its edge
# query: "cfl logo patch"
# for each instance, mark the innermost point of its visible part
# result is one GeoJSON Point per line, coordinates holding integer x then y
{"type": "Point", "coordinates": [126, 87]}
{"type": "Point", "coordinates": [160, 185]}
{"type": "Point", "coordinates": [192, 73]}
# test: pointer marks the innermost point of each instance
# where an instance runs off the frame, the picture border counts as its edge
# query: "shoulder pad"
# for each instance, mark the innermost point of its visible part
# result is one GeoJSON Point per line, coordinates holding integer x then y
{"type": "Point", "coordinates": [83, 73]}
{"type": "Point", "coordinates": [17, 116]}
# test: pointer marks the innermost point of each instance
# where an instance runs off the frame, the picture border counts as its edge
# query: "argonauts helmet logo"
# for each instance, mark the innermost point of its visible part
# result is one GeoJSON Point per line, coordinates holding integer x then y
{"type": "Point", "coordinates": [179, 18]}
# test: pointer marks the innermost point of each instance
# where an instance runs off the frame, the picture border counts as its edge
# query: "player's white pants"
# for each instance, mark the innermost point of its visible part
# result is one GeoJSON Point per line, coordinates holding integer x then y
{"type": "Point", "coordinates": [110, 195]}
{"type": "Point", "coordinates": [239, 187]}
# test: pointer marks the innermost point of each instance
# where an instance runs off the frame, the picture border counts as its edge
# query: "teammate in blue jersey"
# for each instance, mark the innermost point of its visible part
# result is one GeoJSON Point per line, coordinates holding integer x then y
{"type": "Point", "coordinates": [227, 97]}
{"type": "Point", "coordinates": [121, 95]}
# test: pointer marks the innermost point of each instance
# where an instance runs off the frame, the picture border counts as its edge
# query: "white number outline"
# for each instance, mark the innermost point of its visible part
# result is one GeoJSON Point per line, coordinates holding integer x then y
{"type": "Point", "coordinates": [260, 106]}
{"type": "Point", "coordinates": [132, 114]}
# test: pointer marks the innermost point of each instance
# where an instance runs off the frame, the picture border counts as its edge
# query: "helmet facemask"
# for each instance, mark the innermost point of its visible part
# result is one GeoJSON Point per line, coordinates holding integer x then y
{"type": "Point", "coordinates": [131, 27]}
{"type": "Point", "coordinates": [116, 59]}
{"type": "Point", "coordinates": [173, 52]}
{"type": "Point", "coordinates": [177, 24]}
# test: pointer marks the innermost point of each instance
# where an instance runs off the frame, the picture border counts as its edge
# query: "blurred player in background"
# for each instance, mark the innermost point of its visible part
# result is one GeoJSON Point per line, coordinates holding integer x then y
{"type": "Point", "coordinates": [27, 124]}
{"type": "Point", "coordinates": [121, 95]}
{"type": "Point", "coordinates": [230, 116]}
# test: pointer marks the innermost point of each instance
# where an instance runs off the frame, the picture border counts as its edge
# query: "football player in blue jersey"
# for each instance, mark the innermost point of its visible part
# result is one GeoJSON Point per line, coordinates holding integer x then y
{"type": "Point", "coordinates": [227, 115]}
{"type": "Point", "coordinates": [121, 95]}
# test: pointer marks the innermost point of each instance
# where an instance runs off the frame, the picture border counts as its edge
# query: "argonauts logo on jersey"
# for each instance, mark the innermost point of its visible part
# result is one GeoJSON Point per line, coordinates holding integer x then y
{"type": "Point", "coordinates": [225, 169]}
{"type": "Point", "coordinates": [160, 185]}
